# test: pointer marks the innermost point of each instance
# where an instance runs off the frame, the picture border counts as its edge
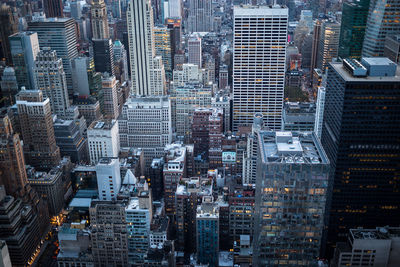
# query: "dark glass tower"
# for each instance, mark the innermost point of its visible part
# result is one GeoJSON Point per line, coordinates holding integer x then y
{"type": "Point", "coordinates": [53, 8]}
{"type": "Point", "coordinates": [352, 31]}
{"type": "Point", "coordinates": [360, 134]}
{"type": "Point", "coordinates": [103, 55]}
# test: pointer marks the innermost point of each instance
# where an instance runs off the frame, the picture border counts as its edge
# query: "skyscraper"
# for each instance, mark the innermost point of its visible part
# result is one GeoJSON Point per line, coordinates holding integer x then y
{"type": "Point", "coordinates": [382, 21]}
{"type": "Point", "coordinates": [8, 26]}
{"type": "Point", "coordinates": [36, 120]}
{"type": "Point", "coordinates": [315, 43]}
{"type": "Point", "coordinates": [103, 55]}
{"type": "Point", "coordinates": [24, 49]}
{"type": "Point", "coordinates": [319, 113]}
{"type": "Point", "coordinates": [259, 65]}
{"type": "Point", "coordinates": [53, 8]}
{"type": "Point", "coordinates": [292, 181]}
{"type": "Point", "coordinates": [50, 79]}
{"type": "Point", "coordinates": [352, 31]}
{"type": "Point", "coordinates": [9, 87]}
{"type": "Point", "coordinates": [103, 140]}
{"type": "Point", "coordinates": [108, 178]}
{"type": "Point", "coordinates": [147, 79]}
{"type": "Point", "coordinates": [360, 136]}
{"type": "Point", "coordinates": [194, 50]}
{"type": "Point", "coordinates": [110, 96]}
{"type": "Point", "coordinates": [163, 46]}
{"type": "Point", "coordinates": [99, 20]}
{"type": "Point", "coordinates": [200, 17]}
{"type": "Point", "coordinates": [175, 8]}
{"type": "Point", "coordinates": [328, 43]}
{"type": "Point", "coordinates": [60, 35]}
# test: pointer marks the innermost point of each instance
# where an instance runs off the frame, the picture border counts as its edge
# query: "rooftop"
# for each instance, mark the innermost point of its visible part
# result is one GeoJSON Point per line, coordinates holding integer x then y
{"type": "Point", "coordinates": [291, 148]}
{"type": "Point", "coordinates": [102, 125]}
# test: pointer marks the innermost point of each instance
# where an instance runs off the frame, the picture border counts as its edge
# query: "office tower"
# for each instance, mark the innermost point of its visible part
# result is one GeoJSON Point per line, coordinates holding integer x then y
{"type": "Point", "coordinates": [99, 20]}
{"type": "Point", "coordinates": [145, 122]}
{"type": "Point", "coordinates": [8, 86]}
{"type": "Point", "coordinates": [174, 170]}
{"type": "Point", "coordinates": [257, 88]}
{"type": "Point", "coordinates": [223, 77]}
{"type": "Point", "coordinates": [241, 213]}
{"type": "Point", "coordinates": [120, 61]}
{"type": "Point", "coordinates": [392, 48]}
{"type": "Point", "coordinates": [207, 232]}
{"type": "Point", "coordinates": [60, 35]}
{"type": "Point", "coordinates": [70, 140]}
{"type": "Point", "coordinates": [298, 116]}
{"type": "Point", "coordinates": [155, 178]}
{"type": "Point", "coordinates": [315, 44]}
{"type": "Point", "coordinates": [12, 162]}
{"type": "Point", "coordinates": [103, 55]}
{"type": "Point", "coordinates": [359, 134]}
{"type": "Point", "coordinates": [250, 158]}
{"type": "Point", "coordinates": [163, 47]}
{"type": "Point", "coordinates": [382, 21]}
{"type": "Point", "coordinates": [53, 8]}
{"type": "Point", "coordinates": [50, 79]}
{"type": "Point", "coordinates": [8, 26]}
{"type": "Point", "coordinates": [290, 234]}
{"type": "Point", "coordinates": [175, 8]}
{"type": "Point", "coordinates": [307, 17]}
{"type": "Point", "coordinates": [24, 49]}
{"type": "Point", "coordinates": [109, 235]}
{"type": "Point", "coordinates": [37, 130]}
{"type": "Point", "coordinates": [146, 69]}
{"type": "Point", "coordinates": [319, 113]}
{"type": "Point", "coordinates": [352, 31]}
{"type": "Point", "coordinates": [103, 140]}
{"type": "Point", "coordinates": [139, 213]}
{"type": "Point", "coordinates": [375, 246]}
{"type": "Point", "coordinates": [50, 187]}
{"type": "Point", "coordinates": [209, 65]}
{"type": "Point", "coordinates": [108, 178]}
{"type": "Point", "coordinates": [110, 96]}
{"type": "Point", "coordinates": [194, 50]}
{"type": "Point", "coordinates": [75, 7]}
{"type": "Point", "coordinates": [19, 228]}
{"type": "Point", "coordinates": [116, 8]}
{"type": "Point", "coordinates": [223, 102]}
{"type": "Point", "coordinates": [189, 193]}
{"type": "Point", "coordinates": [89, 108]}
{"type": "Point", "coordinates": [200, 17]}
{"type": "Point", "coordinates": [328, 43]}
{"type": "Point", "coordinates": [175, 25]}
{"type": "Point", "coordinates": [185, 100]}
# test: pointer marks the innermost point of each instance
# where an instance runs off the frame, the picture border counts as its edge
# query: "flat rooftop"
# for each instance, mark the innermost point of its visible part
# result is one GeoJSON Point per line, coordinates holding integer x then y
{"type": "Point", "coordinates": [102, 125]}
{"type": "Point", "coordinates": [291, 148]}
{"type": "Point", "coordinates": [347, 76]}
{"type": "Point", "coordinates": [261, 10]}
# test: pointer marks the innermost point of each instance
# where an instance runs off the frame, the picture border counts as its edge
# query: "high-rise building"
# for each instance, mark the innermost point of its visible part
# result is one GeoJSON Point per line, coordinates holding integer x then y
{"type": "Point", "coordinates": [24, 49]}
{"type": "Point", "coordinates": [352, 31]}
{"type": "Point", "coordinates": [223, 77]}
{"type": "Point", "coordinates": [392, 48]}
{"type": "Point", "coordinates": [8, 26]}
{"type": "Point", "coordinates": [207, 232]}
{"type": "Point", "coordinates": [8, 87]}
{"type": "Point", "coordinates": [146, 69]}
{"type": "Point", "coordinates": [103, 140]}
{"type": "Point", "coordinates": [53, 8]}
{"type": "Point", "coordinates": [108, 178]}
{"type": "Point", "coordinates": [120, 61]}
{"type": "Point", "coordinates": [37, 130]}
{"type": "Point", "coordinates": [70, 140]}
{"type": "Point", "coordinates": [89, 108]}
{"type": "Point", "coordinates": [145, 122]}
{"type": "Point", "coordinates": [315, 44]}
{"type": "Point", "coordinates": [291, 165]}
{"type": "Point", "coordinates": [328, 43]}
{"type": "Point", "coordinates": [19, 228]}
{"type": "Point", "coordinates": [60, 35]}
{"type": "Point", "coordinates": [139, 213]}
{"type": "Point", "coordinates": [12, 162]}
{"type": "Point", "coordinates": [99, 20]}
{"type": "Point", "coordinates": [116, 8]}
{"type": "Point", "coordinates": [163, 47]}
{"type": "Point", "coordinates": [298, 116]}
{"type": "Point", "coordinates": [175, 8]}
{"type": "Point", "coordinates": [194, 51]}
{"type": "Point", "coordinates": [319, 113]}
{"type": "Point", "coordinates": [109, 235]}
{"type": "Point", "coordinates": [103, 55]}
{"type": "Point", "coordinates": [382, 21]}
{"type": "Point", "coordinates": [200, 17]}
{"type": "Point", "coordinates": [50, 79]}
{"type": "Point", "coordinates": [110, 96]}
{"type": "Point", "coordinates": [175, 25]}
{"type": "Point", "coordinates": [4, 255]}
{"type": "Point", "coordinates": [258, 88]}
{"type": "Point", "coordinates": [189, 73]}
{"type": "Point", "coordinates": [359, 134]}
{"type": "Point", "coordinates": [76, 11]}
